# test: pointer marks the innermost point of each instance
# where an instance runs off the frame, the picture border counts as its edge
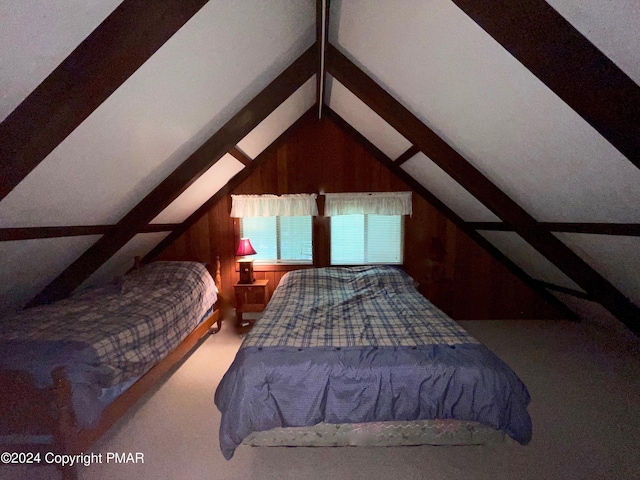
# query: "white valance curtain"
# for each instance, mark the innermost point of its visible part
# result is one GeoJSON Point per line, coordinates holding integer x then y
{"type": "Point", "coordinates": [381, 203]}
{"type": "Point", "coordinates": [274, 205]}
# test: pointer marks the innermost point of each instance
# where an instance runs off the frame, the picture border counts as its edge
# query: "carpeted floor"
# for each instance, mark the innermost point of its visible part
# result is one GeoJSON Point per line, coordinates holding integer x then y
{"type": "Point", "coordinates": [584, 381]}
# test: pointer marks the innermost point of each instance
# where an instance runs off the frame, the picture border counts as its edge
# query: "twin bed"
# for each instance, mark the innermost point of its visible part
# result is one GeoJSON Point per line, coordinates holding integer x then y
{"type": "Point", "coordinates": [69, 370]}
{"type": "Point", "coordinates": [356, 356]}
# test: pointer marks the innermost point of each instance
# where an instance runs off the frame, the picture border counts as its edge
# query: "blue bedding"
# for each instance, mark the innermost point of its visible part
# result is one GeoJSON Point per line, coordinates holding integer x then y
{"type": "Point", "coordinates": [396, 357]}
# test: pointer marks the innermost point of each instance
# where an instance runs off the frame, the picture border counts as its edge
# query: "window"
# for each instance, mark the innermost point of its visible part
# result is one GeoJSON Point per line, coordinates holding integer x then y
{"type": "Point", "coordinates": [366, 239]}
{"type": "Point", "coordinates": [279, 239]}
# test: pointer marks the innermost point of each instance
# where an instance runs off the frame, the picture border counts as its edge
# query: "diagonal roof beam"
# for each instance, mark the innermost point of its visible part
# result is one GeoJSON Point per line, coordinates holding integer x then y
{"type": "Point", "coordinates": [408, 155]}
{"type": "Point", "coordinates": [322, 40]}
{"type": "Point", "coordinates": [29, 233]}
{"type": "Point", "coordinates": [239, 155]}
{"type": "Point", "coordinates": [622, 229]}
{"type": "Point", "coordinates": [447, 212]}
{"type": "Point", "coordinates": [199, 162]}
{"type": "Point", "coordinates": [555, 52]}
{"type": "Point", "coordinates": [454, 164]}
{"type": "Point", "coordinates": [93, 71]}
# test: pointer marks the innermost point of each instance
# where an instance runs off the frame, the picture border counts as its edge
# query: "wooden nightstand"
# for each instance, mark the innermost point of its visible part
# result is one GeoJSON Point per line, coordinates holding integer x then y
{"type": "Point", "coordinates": [250, 297]}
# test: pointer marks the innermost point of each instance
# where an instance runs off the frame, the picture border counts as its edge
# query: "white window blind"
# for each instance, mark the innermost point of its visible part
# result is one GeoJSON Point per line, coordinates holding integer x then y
{"type": "Point", "coordinates": [367, 228]}
{"type": "Point", "coordinates": [279, 239]}
{"type": "Point", "coordinates": [366, 239]}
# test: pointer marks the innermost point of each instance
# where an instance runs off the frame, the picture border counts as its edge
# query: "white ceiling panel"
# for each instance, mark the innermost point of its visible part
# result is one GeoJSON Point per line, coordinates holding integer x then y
{"type": "Point", "coordinates": [282, 118]}
{"type": "Point", "coordinates": [36, 36]}
{"type": "Point", "coordinates": [182, 95]}
{"type": "Point", "coordinates": [612, 26]}
{"type": "Point", "coordinates": [528, 258]}
{"type": "Point", "coordinates": [27, 266]}
{"type": "Point", "coordinates": [200, 191]}
{"type": "Point", "coordinates": [122, 261]}
{"type": "Point", "coordinates": [447, 190]}
{"type": "Point", "coordinates": [617, 258]}
{"type": "Point", "coordinates": [365, 120]}
{"type": "Point", "coordinates": [461, 83]}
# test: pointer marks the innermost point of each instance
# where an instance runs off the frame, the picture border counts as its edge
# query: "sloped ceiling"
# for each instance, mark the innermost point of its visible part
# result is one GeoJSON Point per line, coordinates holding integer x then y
{"type": "Point", "coordinates": [429, 55]}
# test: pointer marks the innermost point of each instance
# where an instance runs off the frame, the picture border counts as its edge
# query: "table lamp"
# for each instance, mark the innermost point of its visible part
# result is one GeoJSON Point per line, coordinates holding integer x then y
{"type": "Point", "coordinates": [246, 266]}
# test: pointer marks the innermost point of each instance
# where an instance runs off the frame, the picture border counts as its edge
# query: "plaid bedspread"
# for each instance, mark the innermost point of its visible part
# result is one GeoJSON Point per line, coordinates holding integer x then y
{"type": "Point", "coordinates": [374, 306]}
{"type": "Point", "coordinates": [360, 344]}
{"type": "Point", "coordinates": [122, 330]}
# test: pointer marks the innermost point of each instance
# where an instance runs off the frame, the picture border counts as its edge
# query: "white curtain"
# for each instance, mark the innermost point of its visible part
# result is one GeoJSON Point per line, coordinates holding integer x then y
{"type": "Point", "coordinates": [274, 205]}
{"type": "Point", "coordinates": [381, 203]}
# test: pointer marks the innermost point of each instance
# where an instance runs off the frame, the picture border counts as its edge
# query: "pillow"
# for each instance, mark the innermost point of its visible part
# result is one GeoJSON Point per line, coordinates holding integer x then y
{"type": "Point", "coordinates": [163, 273]}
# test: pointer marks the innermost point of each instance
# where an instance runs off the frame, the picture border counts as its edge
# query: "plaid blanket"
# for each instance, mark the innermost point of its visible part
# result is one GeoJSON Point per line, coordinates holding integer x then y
{"type": "Point", "coordinates": [374, 306]}
{"type": "Point", "coordinates": [123, 329]}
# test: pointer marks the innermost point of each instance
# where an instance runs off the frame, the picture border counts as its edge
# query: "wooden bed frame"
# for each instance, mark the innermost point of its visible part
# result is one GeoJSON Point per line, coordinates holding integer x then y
{"type": "Point", "coordinates": [30, 411]}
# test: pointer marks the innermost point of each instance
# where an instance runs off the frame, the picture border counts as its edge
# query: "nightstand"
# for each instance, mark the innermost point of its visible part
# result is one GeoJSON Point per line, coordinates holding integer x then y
{"type": "Point", "coordinates": [250, 297]}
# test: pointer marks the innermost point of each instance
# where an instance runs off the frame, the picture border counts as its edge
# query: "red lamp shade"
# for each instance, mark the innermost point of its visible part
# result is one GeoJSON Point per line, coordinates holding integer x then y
{"type": "Point", "coordinates": [245, 248]}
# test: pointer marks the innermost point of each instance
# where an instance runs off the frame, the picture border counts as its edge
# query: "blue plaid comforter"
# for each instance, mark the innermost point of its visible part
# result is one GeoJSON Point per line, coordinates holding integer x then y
{"type": "Point", "coordinates": [360, 344]}
{"type": "Point", "coordinates": [352, 307]}
{"type": "Point", "coordinates": [110, 334]}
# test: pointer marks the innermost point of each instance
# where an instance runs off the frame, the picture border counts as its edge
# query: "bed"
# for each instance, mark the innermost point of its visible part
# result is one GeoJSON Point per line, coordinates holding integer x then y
{"type": "Point", "coordinates": [69, 370]}
{"type": "Point", "coordinates": [354, 351]}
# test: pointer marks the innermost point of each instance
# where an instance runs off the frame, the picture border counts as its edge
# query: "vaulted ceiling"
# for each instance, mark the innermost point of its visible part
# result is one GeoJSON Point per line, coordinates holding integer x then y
{"type": "Point", "coordinates": [519, 120]}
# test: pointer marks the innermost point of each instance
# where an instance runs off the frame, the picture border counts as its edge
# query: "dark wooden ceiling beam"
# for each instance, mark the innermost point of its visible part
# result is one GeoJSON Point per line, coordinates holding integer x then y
{"type": "Point", "coordinates": [571, 66]}
{"type": "Point", "coordinates": [623, 229]}
{"type": "Point", "coordinates": [561, 289]}
{"type": "Point", "coordinates": [409, 154]}
{"type": "Point", "coordinates": [408, 125]}
{"type": "Point", "coordinates": [30, 233]}
{"type": "Point", "coordinates": [322, 40]}
{"type": "Point", "coordinates": [199, 162]}
{"type": "Point", "coordinates": [231, 185]}
{"type": "Point", "coordinates": [447, 212]}
{"type": "Point", "coordinates": [240, 156]}
{"type": "Point", "coordinates": [93, 71]}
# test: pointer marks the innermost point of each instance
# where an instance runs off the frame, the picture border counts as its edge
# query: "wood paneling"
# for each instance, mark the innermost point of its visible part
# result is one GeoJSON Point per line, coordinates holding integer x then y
{"type": "Point", "coordinates": [320, 157]}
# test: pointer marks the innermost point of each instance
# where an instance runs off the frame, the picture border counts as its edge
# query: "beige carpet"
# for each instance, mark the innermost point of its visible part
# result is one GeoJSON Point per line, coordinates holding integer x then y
{"type": "Point", "coordinates": [586, 416]}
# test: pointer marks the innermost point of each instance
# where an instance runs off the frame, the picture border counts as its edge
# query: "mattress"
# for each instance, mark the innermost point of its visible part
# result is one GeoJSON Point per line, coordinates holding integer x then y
{"type": "Point", "coordinates": [378, 434]}
{"type": "Point", "coordinates": [361, 345]}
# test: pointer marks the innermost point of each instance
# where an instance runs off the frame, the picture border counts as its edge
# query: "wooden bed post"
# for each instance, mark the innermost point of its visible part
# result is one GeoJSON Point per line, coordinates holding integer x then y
{"type": "Point", "coordinates": [65, 436]}
{"type": "Point", "coordinates": [218, 277]}
{"type": "Point", "coordinates": [218, 281]}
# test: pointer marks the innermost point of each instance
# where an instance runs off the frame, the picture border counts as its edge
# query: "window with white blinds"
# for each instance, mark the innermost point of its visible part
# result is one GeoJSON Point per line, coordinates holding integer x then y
{"type": "Point", "coordinates": [279, 239]}
{"type": "Point", "coordinates": [366, 239]}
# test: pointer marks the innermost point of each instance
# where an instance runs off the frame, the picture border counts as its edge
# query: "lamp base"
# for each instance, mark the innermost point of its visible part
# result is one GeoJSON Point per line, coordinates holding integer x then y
{"type": "Point", "coordinates": [246, 271]}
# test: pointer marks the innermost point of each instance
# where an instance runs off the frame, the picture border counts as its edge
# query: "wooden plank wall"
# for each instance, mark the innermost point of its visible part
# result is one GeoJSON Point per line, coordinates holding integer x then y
{"type": "Point", "coordinates": [319, 158]}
